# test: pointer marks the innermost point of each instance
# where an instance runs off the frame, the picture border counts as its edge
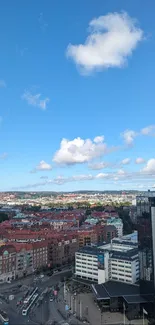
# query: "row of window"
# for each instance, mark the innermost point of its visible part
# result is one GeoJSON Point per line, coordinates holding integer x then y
{"type": "Point", "coordinates": [124, 275]}
{"type": "Point", "coordinates": [121, 279]}
{"type": "Point", "coordinates": [87, 268]}
{"type": "Point", "coordinates": [93, 273]}
{"type": "Point", "coordinates": [84, 263]}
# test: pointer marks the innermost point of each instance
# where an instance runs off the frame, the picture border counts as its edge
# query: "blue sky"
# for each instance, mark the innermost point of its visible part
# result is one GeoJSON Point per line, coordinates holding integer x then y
{"type": "Point", "coordinates": [77, 95]}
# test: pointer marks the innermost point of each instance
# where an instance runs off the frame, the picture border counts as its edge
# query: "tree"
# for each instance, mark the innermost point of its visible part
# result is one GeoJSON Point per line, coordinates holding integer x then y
{"type": "Point", "coordinates": [3, 217]}
{"type": "Point", "coordinates": [127, 223]}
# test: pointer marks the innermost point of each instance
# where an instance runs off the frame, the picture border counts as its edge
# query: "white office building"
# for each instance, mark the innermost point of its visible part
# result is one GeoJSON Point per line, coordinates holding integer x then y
{"type": "Point", "coordinates": [112, 261]}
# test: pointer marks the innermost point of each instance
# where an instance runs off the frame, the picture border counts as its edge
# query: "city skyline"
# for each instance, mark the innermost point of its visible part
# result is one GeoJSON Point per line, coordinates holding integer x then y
{"type": "Point", "coordinates": [77, 105]}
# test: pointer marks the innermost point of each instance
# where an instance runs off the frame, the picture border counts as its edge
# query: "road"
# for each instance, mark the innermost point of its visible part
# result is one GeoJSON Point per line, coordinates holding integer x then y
{"type": "Point", "coordinates": [41, 314]}
{"type": "Point", "coordinates": [54, 314]}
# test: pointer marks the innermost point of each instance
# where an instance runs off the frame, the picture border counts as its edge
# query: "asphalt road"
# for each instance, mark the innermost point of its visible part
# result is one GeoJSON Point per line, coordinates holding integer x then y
{"type": "Point", "coordinates": [46, 311]}
{"type": "Point", "coordinates": [54, 314]}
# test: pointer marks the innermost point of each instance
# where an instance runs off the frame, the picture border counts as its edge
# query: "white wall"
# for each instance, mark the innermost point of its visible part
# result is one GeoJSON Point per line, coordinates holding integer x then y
{"type": "Point", "coordinates": [86, 265]}
{"type": "Point", "coordinates": [101, 276]}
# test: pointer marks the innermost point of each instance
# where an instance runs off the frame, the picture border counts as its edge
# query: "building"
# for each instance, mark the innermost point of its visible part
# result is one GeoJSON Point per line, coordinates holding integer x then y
{"type": "Point", "coordinates": [114, 261]}
{"type": "Point", "coordinates": [143, 203]}
{"type": "Point", "coordinates": [120, 297]}
{"type": "Point", "coordinates": [7, 263]}
{"type": "Point", "coordinates": [106, 233]}
{"type": "Point", "coordinates": [117, 223]}
{"type": "Point", "coordinates": [87, 237]}
{"type": "Point", "coordinates": [40, 255]}
{"type": "Point", "coordinates": [19, 260]}
{"type": "Point", "coordinates": [146, 240]}
{"type": "Point", "coordinates": [62, 248]}
{"type": "Point", "coordinates": [24, 259]}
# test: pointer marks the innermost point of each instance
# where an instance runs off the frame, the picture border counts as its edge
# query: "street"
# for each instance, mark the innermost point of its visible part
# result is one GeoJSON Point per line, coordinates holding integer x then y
{"type": "Point", "coordinates": [37, 315]}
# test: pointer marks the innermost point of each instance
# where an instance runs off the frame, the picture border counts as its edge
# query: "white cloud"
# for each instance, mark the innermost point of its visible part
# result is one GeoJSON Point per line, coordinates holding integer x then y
{"type": "Point", "coordinates": [101, 175]}
{"type": "Point", "coordinates": [44, 177]}
{"type": "Point", "coordinates": [79, 151]}
{"type": "Point", "coordinates": [120, 172]}
{"type": "Point", "coordinates": [128, 178]}
{"type": "Point", "coordinates": [139, 160]}
{"type": "Point", "coordinates": [41, 167]}
{"type": "Point", "coordinates": [4, 155]}
{"type": "Point", "coordinates": [112, 39]}
{"type": "Point", "coordinates": [99, 139]}
{"type": "Point", "coordinates": [128, 136]}
{"type": "Point", "coordinates": [150, 166]}
{"type": "Point", "coordinates": [99, 165]}
{"type": "Point", "coordinates": [148, 130]}
{"type": "Point", "coordinates": [2, 83]}
{"type": "Point", "coordinates": [126, 161]}
{"type": "Point", "coordinates": [35, 100]}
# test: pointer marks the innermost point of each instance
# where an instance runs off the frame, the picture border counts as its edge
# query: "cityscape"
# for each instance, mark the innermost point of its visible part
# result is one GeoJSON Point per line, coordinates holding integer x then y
{"type": "Point", "coordinates": [77, 258]}
{"type": "Point", "coordinates": [77, 162]}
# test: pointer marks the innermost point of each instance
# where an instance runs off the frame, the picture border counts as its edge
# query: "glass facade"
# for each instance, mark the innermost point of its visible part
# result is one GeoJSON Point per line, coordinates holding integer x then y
{"type": "Point", "coordinates": [146, 234]}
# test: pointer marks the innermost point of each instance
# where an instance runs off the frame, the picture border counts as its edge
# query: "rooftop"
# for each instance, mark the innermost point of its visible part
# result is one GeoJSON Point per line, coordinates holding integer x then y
{"type": "Point", "coordinates": [125, 255]}
{"type": "Point", "coordinates": [111, 289]}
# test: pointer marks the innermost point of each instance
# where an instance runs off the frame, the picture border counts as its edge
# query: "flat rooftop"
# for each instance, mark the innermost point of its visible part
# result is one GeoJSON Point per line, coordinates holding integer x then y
{"type": "Point", "coordinates": [125, 255]}
{"type": "Point", "coordinates": [113, 289]}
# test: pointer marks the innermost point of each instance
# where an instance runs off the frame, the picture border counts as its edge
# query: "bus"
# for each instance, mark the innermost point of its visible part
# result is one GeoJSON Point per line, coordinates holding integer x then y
{"type": "Point", "coordinates": [4, 318]}
{"type": "Point", "coordinates": [26, 309]}
{"type": "Point", "coordinates": [27, 299]}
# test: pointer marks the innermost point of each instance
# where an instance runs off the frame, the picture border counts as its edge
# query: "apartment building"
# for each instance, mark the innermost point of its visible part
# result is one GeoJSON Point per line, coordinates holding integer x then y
{"type": "Point", "coordinates": [18, 260]}
{"type": "Point", "coordinates": [62, 248]}
{"type": "Point", "coordinates": [40, 255]}
{"type": "Point", "coordinates": [7, 263]}
{"type": "Point", "coordinates": [24, 259]}
{"type": "Point", "coordinates": [117, 223]}
{"type": "Point", "coordinates": [87, 237]}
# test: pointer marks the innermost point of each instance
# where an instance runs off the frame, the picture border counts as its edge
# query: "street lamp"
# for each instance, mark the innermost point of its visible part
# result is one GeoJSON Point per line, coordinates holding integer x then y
{"type": "Point", "coordinates": [80, 309]}
{"type": "Point", "coordinates": [124, 312]}
{"type": "Point", "coordinates": [144, 313]}
{"type": "Point", "coordinates": [101, 317]}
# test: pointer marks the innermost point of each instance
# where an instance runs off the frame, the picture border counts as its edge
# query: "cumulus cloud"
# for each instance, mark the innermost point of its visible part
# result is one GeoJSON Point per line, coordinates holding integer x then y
{"type": "Point", "coordinates": [148, 130]}
{"type": "Point", "coordinates": [129, 136]}
{"type": "Point", "coordinates": [99, 165]}
{"type": "Point", "coordinates": [111, 41]}
{"type": "Point", "coordinates": [2, 83]}
{"type": "Point", "coordinates": [126, 161]}
{"type": "Point", "coordinates": [99, 139]}
{"type": "Point", "coordinates": [41, 167]}
{"type": "Point", "coordinates": [35, 100]}
{"type": "Point", "coordinates": [120, 172]}
{"type": "Point", "coordinates": [102, 175]}
{"type": "Point", "coordinates": [120, 176]}
{"type": "Point", "coordinates": [80, 150]}
{"type": "Point", "coordinates": [139, 160]}
{"type": "Point", "coordinates": [150, 166]}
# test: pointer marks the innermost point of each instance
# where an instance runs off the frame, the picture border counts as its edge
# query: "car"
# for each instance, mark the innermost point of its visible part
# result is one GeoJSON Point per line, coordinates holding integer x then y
{"type": "Point", "coordinates": [41, 276]}
{"type": "Point", "coordinates": [51, 298]}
